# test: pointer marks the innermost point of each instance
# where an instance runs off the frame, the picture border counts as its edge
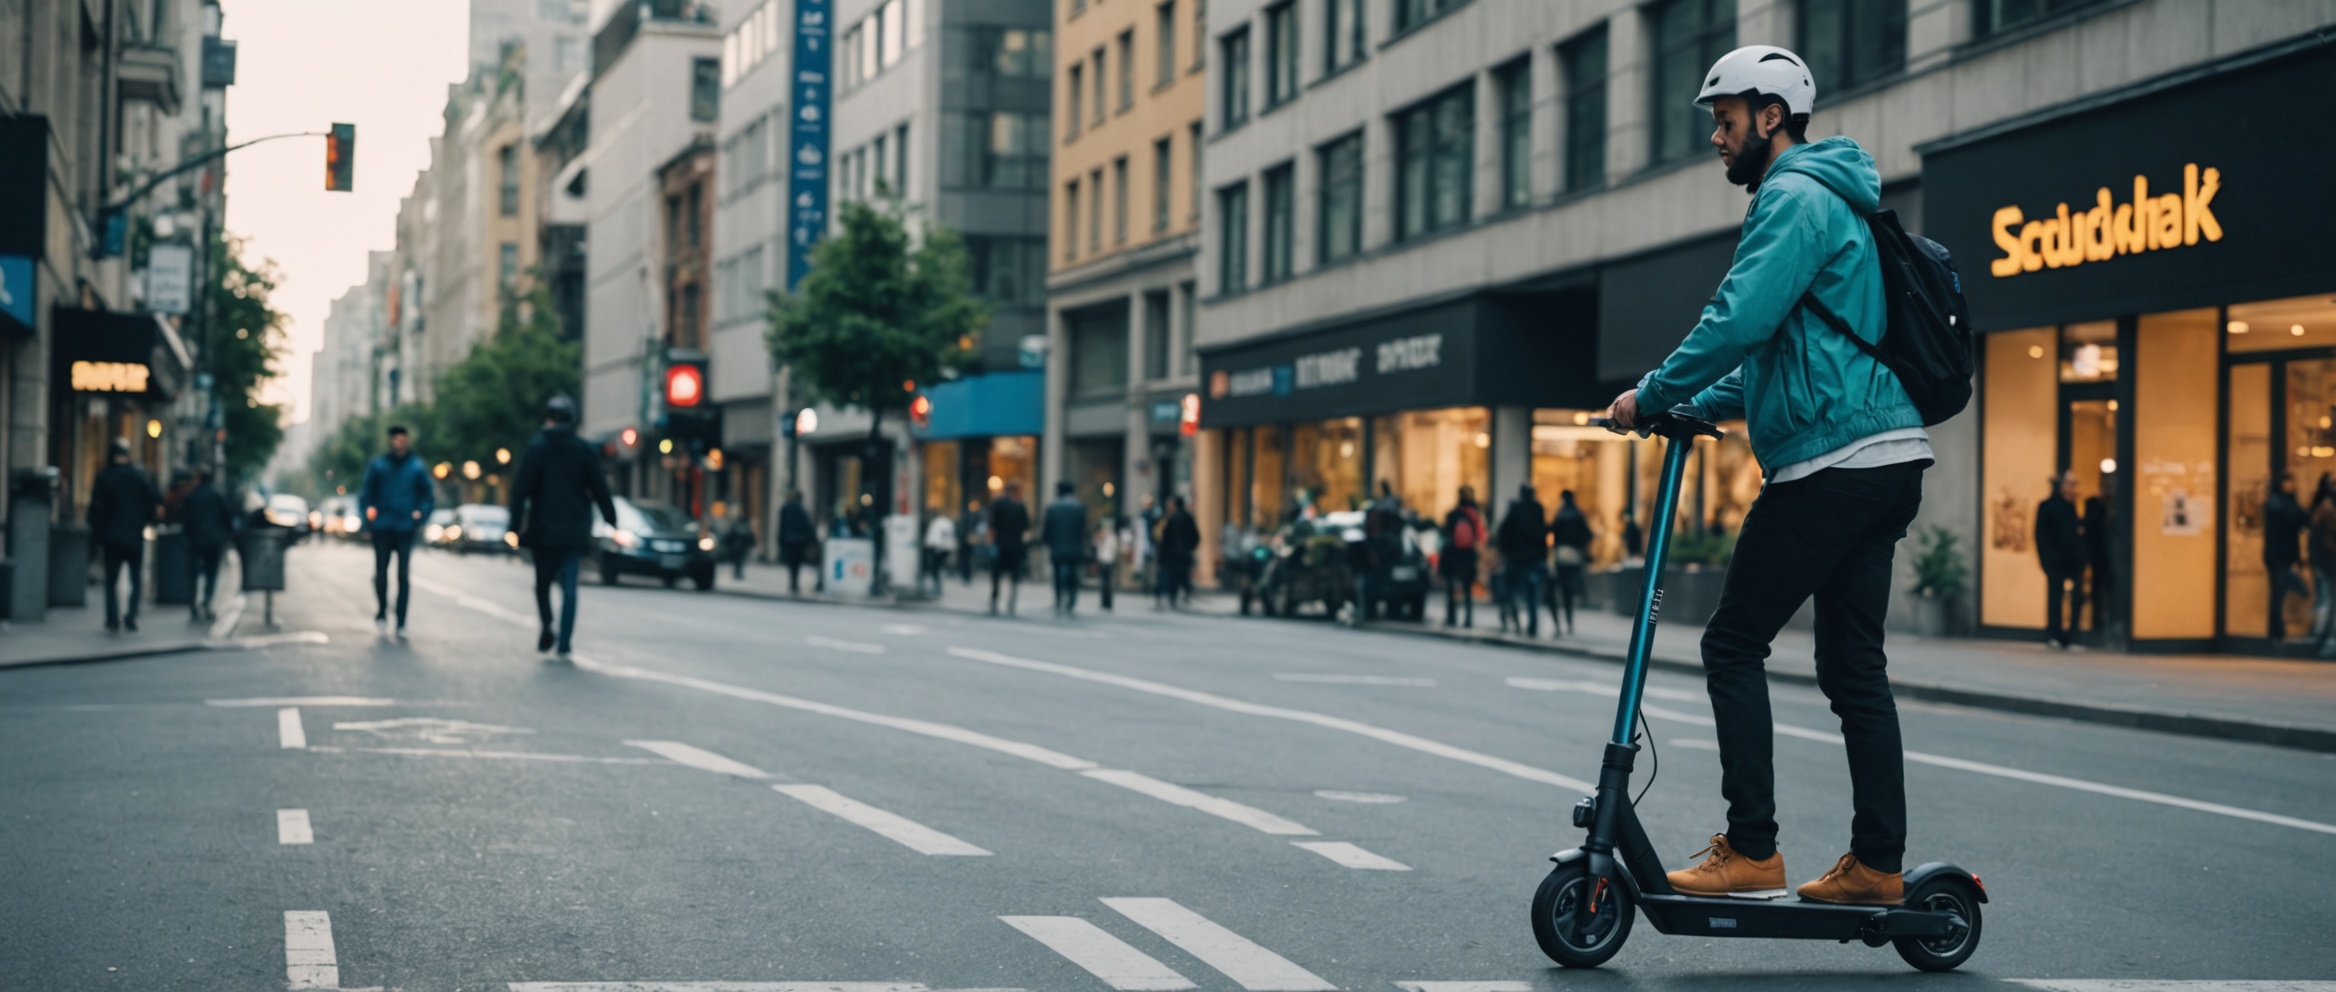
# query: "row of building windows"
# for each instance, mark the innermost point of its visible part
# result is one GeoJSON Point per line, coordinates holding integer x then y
{"type": "Point", "coordinates": [1093, 185]}
{"type": "Point", "coordinates": [746, 157]}
{"type": "Point", "coordinates": [1104, 82]}
{"type": "Point", "coordinates": [877, 168]}
{"type": "Point", "coordinates": [878, 41]}
{"type": "Point", "coordinates": [739, 282]}
{"type": "Point", "coordinates": [752, 42]}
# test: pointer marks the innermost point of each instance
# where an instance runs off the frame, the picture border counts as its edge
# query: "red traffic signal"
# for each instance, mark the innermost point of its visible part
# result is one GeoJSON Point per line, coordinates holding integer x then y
{"type": "Point", "coordinates": [685, 385]}
{"type": "Point", "coordinates": [920, 412]}
{"type": "Point", "coordinates": [340, 158]}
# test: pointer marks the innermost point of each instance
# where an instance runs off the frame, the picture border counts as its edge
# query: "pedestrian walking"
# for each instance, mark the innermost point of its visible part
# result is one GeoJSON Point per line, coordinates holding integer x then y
{"type": "Point", "coordinates": [397, 496]}
{"type": "Point", "coordinates": [2323, 558]}
{"type": "Point", "coordinates": [208, 522]}
{"type": "Point", "coordinates": [1179, 547]}
{"type": "Point", "coordinates": [1523, 539]}
{"type": "Point", "coordinates": [1782, 346]}
{"type": "Point", "coordinates": [1570, 534]}
{"type": "Point", "coordinates": [973, 536]}
{"type": "Point", "coordinates": [558, 486]}
{"type": "Point", "coordinates": [2060, 550]}
{"type": "Point", "coordinates": [940, 541]}
{"type": "Point", "coordinates": [738, 541]}
{"type": "Point", "coordinates": [796, 537]}
{"type": "Point", "coordinates": [122, 501]}
{"type": "Point", "coordinates": [1063, 529]}
{"type": "Point", "coordinates": [1463, 536]}
{"type": "Point", "coordinates": [1009, 536]}
{"type": "Point", "coordinates": [1107, 558]}
{"type": "Point", "coordinates": [1147, 550]}
{"type": "Point", "coordinates": [2100, 576]}
{"type": "Point", "coordinates": [2284, 521]}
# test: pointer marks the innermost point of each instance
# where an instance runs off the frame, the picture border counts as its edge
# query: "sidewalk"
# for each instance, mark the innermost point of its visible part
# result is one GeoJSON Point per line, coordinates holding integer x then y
{"type": "Point", "coordinates": [75, 634]}
{"type": "Point", "coordinates": [2261, 700]}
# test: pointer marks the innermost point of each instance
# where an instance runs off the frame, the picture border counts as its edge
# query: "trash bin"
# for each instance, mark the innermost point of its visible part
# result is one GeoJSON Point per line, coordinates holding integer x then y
{"type": "Point", "coordinates": [32, 492]}
{"type": "Point", "coordinates": [261, 552]}
{"type": "Point", "coordinates": [7, 587]}
{"type": "Point", "coordinates": [69, 565]}
{"type": "Point", "coordinates": [173, 577]}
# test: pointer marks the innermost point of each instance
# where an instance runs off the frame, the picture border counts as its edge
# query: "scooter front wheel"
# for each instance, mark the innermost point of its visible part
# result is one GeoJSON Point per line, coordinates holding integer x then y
{"type": "Point", "coordinates": [1942, 953]}
{"type": "Point", "coordinates": [1580, 924]}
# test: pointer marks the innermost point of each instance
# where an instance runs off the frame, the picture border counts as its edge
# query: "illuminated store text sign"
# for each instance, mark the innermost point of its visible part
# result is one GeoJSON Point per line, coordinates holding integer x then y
{"type": "Point", "coordinates": [109, 377]}
{"type": "Point", "coordinates": [2147, 222]}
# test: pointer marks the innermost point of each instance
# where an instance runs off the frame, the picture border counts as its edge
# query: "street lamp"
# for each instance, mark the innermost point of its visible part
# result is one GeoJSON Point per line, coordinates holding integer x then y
{"type": "Point", "coordinates": [470, 470]}
{"type": "Point", "coordinates": [502, 456]}
{"type": "Point", "coordinates": [439, 470]}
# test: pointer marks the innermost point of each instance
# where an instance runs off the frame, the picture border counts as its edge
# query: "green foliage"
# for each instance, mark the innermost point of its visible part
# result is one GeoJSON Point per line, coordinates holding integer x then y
{"type": "Point", "coordinates": [494, 397]}
{"type": "Point", "coordinates": [1939, 569]}
{"type": "Point", "coordinates": [879, 310]}
{"type": "Point", "coordinates": [1702, 549]}
{"type": "Point", "coordinates": [245, 337]}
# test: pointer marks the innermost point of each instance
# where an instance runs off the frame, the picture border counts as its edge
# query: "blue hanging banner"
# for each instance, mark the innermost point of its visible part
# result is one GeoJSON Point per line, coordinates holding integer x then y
{"type": "Point", "coordinates": [807, 136]}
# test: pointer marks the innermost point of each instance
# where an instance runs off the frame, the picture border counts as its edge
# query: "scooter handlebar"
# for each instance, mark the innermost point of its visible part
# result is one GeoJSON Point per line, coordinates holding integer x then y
{"type": "Point", "coordinates": [1674, 426]}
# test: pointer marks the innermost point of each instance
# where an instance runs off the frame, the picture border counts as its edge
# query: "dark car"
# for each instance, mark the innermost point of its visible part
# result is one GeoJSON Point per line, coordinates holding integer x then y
{"type": "Point", "coordinates": [656, 540]}
{"type": "Point", "coordinates": [1311, 564]}
{"type": "Point", "coordinates": [1397, 567]}
{"type": "Point", "coordinates": [483, 528]}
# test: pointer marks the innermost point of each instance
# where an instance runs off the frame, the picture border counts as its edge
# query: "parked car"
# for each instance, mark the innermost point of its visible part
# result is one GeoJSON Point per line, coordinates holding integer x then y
{"type": "Point", "coordinates": [484, 528]}
{"type": "Point", "coordinates": [441, 530]}
{"type": "Point", "coordinates": [340, 517]}
{"type": "Point", "coordinates": [289, 511]}
{"type": "Point", "coordinates": [1311, 564]}
{"type": "Point", "coordinates": [653, 539]}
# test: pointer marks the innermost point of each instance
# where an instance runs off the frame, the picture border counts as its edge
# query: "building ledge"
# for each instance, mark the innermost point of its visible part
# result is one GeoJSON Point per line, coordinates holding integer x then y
{"type": "Point", "coordinates": [150, 73]}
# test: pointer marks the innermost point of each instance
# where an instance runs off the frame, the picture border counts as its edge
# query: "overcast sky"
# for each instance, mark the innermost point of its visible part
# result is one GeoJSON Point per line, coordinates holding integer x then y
{"type": "Point", "coordinates": [302, 65]}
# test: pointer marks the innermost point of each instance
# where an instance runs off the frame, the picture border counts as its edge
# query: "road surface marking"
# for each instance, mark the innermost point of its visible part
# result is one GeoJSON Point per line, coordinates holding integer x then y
{"type": "Point", "coordinates": [1696, 743]}
{"type": "Point", "coordinates": [2161, 985]}
{"type": "Point", "coordinates": [457, 752]}
{"type": "Point", "coordinates": [729, 987]}
{"type": "Point", "coordinates": [1243, 961]}
{"type": "Point", "coordinates": [903, 629]}
{"type": "Point", "coordinates": [292, 827]}
{"type": "Point", "coordinates": [942, 731]}
{"type": "Point", "coordinates": [225, 625]}
{"type": "Point", "coordinates": [266, 701]}
{"type": "Point", "coordinates": [272, 640]}
{"type": "Point", "coordinates": [1354, 679]}
{"type": "Point", "coordinates": [1351, 856]}
{"type": "Point", "coordinates": [468, 601]}
{"type": "Point", "coordinates": [856, 647]}
{"type": "Point", "coordinates": [288, 730]}
{"type": "Point", "coordinates": [1605, 689]}
{"type": "Point", "coordinates": [1395, 737]}
{"type": "Point", "coordinates": [1170, 792]}
{"type": "Point", "coordinates": [1465, 986]}
{"type": "Point", "coordinates": [892, 826]}
{"type": "Point", "coordinates": [308, 951]}
{"type": "Point", "coordinates": [1372, 798]}
{"type": "Point", "coordinates": [1103, 955]}
{"type": "Point", "coordinates": [431, 730]}
{"type": "Point", "coordinates": [683, 754]}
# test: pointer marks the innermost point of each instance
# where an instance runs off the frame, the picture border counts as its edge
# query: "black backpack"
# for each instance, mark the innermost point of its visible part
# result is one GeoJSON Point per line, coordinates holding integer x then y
{"type": "Point", "coordinates": [1926, 341]}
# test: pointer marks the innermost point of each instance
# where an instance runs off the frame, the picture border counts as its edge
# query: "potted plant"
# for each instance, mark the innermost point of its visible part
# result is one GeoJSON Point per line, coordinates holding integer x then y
{"type": "Point", "coordinates": [1940, 576]}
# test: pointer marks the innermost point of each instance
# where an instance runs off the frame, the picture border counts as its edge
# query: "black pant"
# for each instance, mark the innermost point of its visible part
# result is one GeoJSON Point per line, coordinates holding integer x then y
{"type": "Point", "coordinates": [557, 566]}
{"type": "Point", "coordinates": [1830, 535]}
{"type": "Point", "coordinates": [1104, 571]}
{"type": "Point", "coordinates": [2097, 583]}
{"type": "Point", "coordinates": [1568, 588]}
{"type": "Point", "coordinates": [1066, 584]}
{"type": "Point", "coordinates": [1460, 587]}
{"type": "Point", "coordinates": [206, 562]}
{"type": "Point", "coordinates": [1524, 590]}
{"type": "Point", "coordinates": [1176, 579]}
{"type": "Point", "coordinates": [2285, 581]}
{"type": "Point", "coordinates": [385, 545]}
{"type": "Point", "coordinates": [2064, 593]}
{"type": "Point", "coordinates": [117, 556]}
{"type": "Point", "coordinates": [1006, 569]}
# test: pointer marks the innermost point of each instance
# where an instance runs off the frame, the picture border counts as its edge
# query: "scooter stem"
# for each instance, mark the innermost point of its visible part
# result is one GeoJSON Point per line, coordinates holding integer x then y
{"type": "Point", "coordinates": [1642, 634]}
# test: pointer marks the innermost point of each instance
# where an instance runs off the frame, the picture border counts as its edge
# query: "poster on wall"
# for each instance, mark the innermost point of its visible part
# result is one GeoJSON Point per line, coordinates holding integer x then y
{"type": "Point", "coordinates": [2184, 515]}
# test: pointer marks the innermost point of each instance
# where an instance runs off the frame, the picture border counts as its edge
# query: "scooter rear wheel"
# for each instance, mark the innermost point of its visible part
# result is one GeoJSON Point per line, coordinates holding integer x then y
{"type": "Point", "coordinates": [1945, 953]}
{"type": "Point", "coordinates": [1555, 906]}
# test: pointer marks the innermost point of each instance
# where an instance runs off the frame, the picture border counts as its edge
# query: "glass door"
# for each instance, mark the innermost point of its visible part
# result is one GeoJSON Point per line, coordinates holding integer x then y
{"type": "Point", "coordinates": [2246, 589]}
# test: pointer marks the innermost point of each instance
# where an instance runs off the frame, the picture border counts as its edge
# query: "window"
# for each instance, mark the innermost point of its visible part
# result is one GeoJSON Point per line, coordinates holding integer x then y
{"type": "Point", "coordinates": [1690, 35]}
{"type": "Point", "coordinates": [1233, 238]}
{"type": "Point", "coordinates": [568, 55]}
{"type": "Point", "coordinates": [1007, 269]}
{"type": "Point", "coordinates": [871, 34]}
{"type": "Point", "coordinates": [1071, 220]}
{"type": "Point", "coordinates": [1098, 350]}
{"type": "Point", "coordinates": [1281, 196]}
{"type": "Point", "coordinates": [1342, 34]}
{"type": "Point", "coordinates": [1162, 166]}
{"type": "Point", "coordinates": [899, 162]}
{"type": "Point", "coordinates": [1158, 336]}
{"type": "Point", "coordinates": [1339, 216]}
{"type": "Point", "coordinates": [1434, 145]}
{"type": "Point", "coordinates": [1196, 153]}
{"type": "Point", "coordinates": [507, 163]}
{"type": "Point", "coordinates": [1281, 53]}
{"type": "Point", "coordinates": [1077, 89]}
{"type": "Point", "coordinates": [685, 331]}
{"type": "Point", "coordinates": [848, 57]}
{"type": "Point", "coordinates": [1127, 69]}
{"type": "Point", "coordinates": [2005, 15]}
{"type": "Point", "coordinates": [1119, 201]}
{"type": "Point", "coordinates": [1165, 73]}
{"type": "Point", "coordinates": [1010, 150]}
{"type": "Point", "coordinates": [695, 221]}
{"type": "Point", "coordinates": [1516, 90]}
{"type": "Point", "coordinates": [915, 18]}
{"type": "Point", "coordinates": [1235, 80]}
{"type": "Point", "coordinates": [1200, 31]}
{"type": "Point", "coordinates": [1410, 14]}
{"type": "Point", "coordinates": [705, 89]}
{"type": "Point", "coordinates": [509, 267]}
{"type": "Point", "coordinates": [894, 27]}
{"type": "Point", "coordinates": [1014, 53]}
{"type": "Point", "coordinates": [1583, 61]}
{"type": "Point", "coordinates": [1099, 105]}
{"type": "Point", "coordinates": [1851, 42]}
{"type": "Point", "coordinates": [556, 11]}
{"type": "Point", "coordinates": [1095, 211]}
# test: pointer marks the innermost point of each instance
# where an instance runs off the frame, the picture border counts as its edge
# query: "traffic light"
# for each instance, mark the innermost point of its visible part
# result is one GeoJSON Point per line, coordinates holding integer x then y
{"type": "Point", "coordinates": [920, 412]}
{"type": "Point", "coordinates": [685, 384]}
{"type": "Point", "coordinates": [340, 158]}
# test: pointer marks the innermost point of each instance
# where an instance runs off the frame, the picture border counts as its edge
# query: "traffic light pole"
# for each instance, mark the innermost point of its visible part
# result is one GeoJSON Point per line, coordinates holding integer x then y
{"type": "Point", "coordinates": [190, 164]}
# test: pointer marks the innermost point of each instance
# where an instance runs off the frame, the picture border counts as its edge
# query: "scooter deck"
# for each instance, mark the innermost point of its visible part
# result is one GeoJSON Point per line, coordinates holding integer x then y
{"type": "Point", "coordinates": [1787, 918]}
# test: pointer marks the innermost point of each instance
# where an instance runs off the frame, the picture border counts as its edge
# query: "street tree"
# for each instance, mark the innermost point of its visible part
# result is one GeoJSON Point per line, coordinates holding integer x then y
{"type": "Point", "coordinates": [494, 397]}
{"type": "Point", "coordinates": [244, 338]}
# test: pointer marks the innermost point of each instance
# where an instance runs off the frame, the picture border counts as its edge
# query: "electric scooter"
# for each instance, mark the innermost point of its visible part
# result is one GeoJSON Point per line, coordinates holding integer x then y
{"type": "Point", "coordinates": [1583, 910]}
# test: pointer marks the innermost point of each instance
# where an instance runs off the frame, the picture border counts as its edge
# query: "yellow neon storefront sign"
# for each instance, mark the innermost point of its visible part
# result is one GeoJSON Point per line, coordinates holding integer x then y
{"type": "Point", "coordinates": [2145, 223]}
{"type": "Point", "coordinates": [109, 377]}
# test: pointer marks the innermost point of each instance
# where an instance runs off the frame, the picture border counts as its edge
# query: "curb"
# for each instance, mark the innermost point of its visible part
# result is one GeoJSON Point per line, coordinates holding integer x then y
{"type": "Point", "coordinates": [119, 654]}
{"type": "Point", "coordinates": [2183, 724]}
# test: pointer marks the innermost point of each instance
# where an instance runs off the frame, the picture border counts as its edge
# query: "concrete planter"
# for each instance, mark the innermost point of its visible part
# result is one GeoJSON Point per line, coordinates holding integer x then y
{"type": "Point", "coordinates": [1938, 616]}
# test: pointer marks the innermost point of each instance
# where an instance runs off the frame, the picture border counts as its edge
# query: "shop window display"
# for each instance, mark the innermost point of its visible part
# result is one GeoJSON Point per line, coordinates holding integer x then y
{"type": "Point", "coordinates": [2174, 476]}
{"type": "Point", "coordinates": [2016, 465]}
{"type": "Point", "coordinates": [1326, 464]}
{"type": "Point", "coordinates": [1429, 454]}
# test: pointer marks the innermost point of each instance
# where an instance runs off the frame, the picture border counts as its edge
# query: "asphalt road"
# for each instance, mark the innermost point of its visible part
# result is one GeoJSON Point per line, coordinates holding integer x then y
{"type": "Point", "coordinates": [733, 790]}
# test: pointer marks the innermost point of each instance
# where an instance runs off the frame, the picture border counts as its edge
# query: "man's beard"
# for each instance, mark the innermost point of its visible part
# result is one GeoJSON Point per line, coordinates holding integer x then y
{"type": "Point", "coordinates": [1750, 164]}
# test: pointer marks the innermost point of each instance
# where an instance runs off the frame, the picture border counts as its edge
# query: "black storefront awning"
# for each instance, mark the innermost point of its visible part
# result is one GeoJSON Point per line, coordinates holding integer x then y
{"type": "Point", "coordinates": [1521, 349]}
{"type": "Point", "coordinates": [101, 351]}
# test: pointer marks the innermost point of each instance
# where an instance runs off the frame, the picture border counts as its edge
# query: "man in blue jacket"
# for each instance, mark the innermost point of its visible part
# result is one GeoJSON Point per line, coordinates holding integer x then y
{"type": "Point", "coordinates": [396, 496]}
{"type": "Point", "coordinates": [1843, 449]}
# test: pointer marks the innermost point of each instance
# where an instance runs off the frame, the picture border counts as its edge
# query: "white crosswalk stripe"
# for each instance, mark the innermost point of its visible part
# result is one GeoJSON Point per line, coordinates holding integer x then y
{"type": "Point", "coordinates": [1351, 856]}
{"type": "Point", "coordinates": [683, 754]}
{"type": "Point", "coordinates": [1106, 957]}
{"type": "Point", "coordinates": [891, 826]}
{"type": "Point", "coordinates": [291, 734]}
{"type": "Point", "coordinates": [308, 951]}
{"type": "Point", "coordinates": [292, 827]}
{"type": "Point", "coordinates": [1241, 959]}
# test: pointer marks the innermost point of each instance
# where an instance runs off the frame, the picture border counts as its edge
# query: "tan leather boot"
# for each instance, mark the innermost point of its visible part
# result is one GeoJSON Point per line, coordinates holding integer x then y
{"type": "Point", "coordinates": [1851, 882]}
{"type": "Point", "coordinates": [1727, 873]}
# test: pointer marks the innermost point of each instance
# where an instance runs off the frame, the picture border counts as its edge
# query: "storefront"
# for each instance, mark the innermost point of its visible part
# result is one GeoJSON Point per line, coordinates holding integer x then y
{"type": "Point", "coordinates": [2156, 289]}
{"type": "Point", "coordinates": [120, 373]}
{"type": "Point", "coordinates": [979, 435]}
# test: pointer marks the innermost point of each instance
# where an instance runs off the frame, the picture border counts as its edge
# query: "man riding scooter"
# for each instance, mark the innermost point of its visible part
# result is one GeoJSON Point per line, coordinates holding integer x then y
{"type": "Point", "coordinates": [1843, 448]}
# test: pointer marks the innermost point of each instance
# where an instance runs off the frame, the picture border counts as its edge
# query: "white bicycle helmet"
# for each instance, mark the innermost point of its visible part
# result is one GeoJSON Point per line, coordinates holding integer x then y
{"type": "Point", "coordinates": [1760, 69]}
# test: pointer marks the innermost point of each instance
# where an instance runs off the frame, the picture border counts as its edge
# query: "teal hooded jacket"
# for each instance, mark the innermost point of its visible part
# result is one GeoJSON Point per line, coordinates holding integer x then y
{"type": "Point", "coordinates": [1802, 388]}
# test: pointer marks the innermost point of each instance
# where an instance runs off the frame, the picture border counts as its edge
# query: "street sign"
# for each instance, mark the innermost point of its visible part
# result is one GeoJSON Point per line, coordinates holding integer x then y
{"type": "Point", "coordinates": [807, 136]}
{"type": "Point", "coordinates": [170, 278]}
{"type": "Point", "coordinates": [16, 289]}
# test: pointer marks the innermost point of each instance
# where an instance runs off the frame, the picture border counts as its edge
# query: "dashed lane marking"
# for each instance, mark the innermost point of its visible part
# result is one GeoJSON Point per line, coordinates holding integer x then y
{"type": "Point", "coordinates": [1395, 737]}
{"type": "Point", "coordinates": [267, 701]}
{"type": "Point", "coordinates": [460, 752]}
{"type": "Point", "coordinates": [1465, 986]}
{"type": "Point", "coordinates": [290, 734]}
{"type": "Point", "coordinates": [1217, 806]}
{"type": "Point", "coordinates": [1109, 958]}
{"type": "Point", "coordinates": [308, 951]}
{"type": "Point", "coordinates": [1366, 798]}
{"type": "Point", "coordinates": [1351, 855]}
{"type": "Point", "coordinates": [1354, 679]}
{"type": "Point", "coordinates": [292, 827]}
{"type": "Point", "coordinates": [855, 647]}
{"type": "Point", "coordinates": [891, 826]}
{"type": "Point", "coordinates": [1239, 958]}
{"type": "Point", "coordinates": [683, 754]}
{"type": "Point", "coordinates": [1607, 690]}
